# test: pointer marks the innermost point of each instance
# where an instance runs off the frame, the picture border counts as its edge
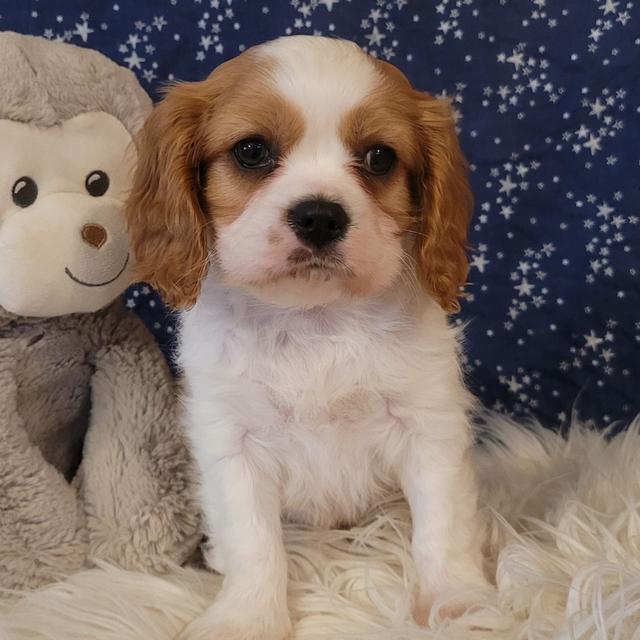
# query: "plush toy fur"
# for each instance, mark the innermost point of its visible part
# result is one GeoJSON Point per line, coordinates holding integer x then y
{"type": "Point", "coordinates": [92, 462]}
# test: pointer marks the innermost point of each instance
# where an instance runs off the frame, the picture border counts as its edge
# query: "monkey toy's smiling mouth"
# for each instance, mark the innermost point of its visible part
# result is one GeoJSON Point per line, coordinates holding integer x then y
{"type": "Point", "coordinates": [98, 284]}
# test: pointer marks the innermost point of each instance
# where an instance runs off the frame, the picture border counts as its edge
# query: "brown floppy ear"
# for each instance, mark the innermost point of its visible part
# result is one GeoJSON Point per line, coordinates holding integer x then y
{"type": "Point", "coordinates": [445, 204]}
{"type": "Point", "coordinates": [167, 225]}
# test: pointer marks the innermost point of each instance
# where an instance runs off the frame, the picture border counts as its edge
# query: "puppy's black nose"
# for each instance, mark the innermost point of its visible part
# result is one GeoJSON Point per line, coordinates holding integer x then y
{"type": "Point", "coordinates": [318, 222]}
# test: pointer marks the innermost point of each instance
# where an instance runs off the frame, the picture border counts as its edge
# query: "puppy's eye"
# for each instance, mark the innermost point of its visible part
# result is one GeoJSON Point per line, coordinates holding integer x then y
{"type": "Point", "coordinates": [379, 160]}
{"type": "Point", "coordinates": [24, 192]}
{"type": "Point", "coordinates": [97, 183]}
{"type": "Point", "coordinates": [252, 153]}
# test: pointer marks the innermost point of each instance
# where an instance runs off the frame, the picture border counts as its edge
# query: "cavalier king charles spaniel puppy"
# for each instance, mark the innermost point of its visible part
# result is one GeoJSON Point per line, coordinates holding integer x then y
{"type": "Point", "coordinates": [306, 209]}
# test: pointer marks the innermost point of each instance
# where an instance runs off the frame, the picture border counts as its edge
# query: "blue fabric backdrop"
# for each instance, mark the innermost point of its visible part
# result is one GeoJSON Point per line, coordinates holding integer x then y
{"type": "Point", "coordinates": [547, 94]}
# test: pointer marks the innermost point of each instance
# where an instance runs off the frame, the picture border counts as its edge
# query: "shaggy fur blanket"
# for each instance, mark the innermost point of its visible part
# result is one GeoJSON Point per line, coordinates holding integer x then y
{"type": "Point", "coordinates": [564, 546]}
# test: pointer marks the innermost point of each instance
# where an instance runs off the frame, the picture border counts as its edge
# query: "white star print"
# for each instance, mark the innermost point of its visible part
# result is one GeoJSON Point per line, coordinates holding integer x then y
{"type": "Point", "coordinates": [608, 7]}
{"type": "Point", "coordinates": [524, 288]}
{"type": "Point", "coordinates": [592, 340]}
{"type": "Point", "coordinates": [134, 60]}
{"type": "Point", "coordinates": [83, 31]}
{"type": "Point", "coordinates": [597, 108]}
{"type": "Point", "coordinates": [375, 38]}
{"type": "Point", "coordinates": [479, 262]}
{"type": "Point", "coordinates": [593, 144]}
{"type": "Point", "coordinates": [507, 185]}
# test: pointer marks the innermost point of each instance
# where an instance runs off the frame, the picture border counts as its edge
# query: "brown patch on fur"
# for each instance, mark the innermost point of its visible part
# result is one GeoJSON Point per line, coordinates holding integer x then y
{"type": "Point", "coordinates": [427, 193]}
{"type": "Point", "coordinates": [446, 205]}
{"type": "Point", "coordinates": [187, 180]}
{"type": "Point", "coordinates": [381, 121]}
{"type": "Point", "coordinates": [251, 110]}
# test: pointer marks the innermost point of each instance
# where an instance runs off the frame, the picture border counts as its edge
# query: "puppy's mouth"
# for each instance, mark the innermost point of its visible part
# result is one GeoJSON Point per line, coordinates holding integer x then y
{"type": "Point", "coordinates": [304, 262]}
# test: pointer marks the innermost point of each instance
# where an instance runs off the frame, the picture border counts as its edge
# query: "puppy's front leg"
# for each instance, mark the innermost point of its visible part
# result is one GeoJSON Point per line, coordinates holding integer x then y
{"type": "Point", "coordinates": [438, 481]}
{"type": "Point", "coordinates": [241, 506]}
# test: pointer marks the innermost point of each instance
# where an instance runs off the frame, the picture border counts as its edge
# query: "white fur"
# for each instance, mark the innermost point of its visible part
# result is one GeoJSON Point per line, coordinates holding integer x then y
{"type": "Point", "coordinates": [563, 529]}
{"type": "Point", "coordinates": [309, 403]}
{"type": "Point", "coordinates": [323, 77]}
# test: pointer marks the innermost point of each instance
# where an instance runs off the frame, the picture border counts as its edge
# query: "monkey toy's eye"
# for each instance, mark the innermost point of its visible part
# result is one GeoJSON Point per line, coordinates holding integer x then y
{"type": "Point", "coordinates": [24, 192]}
{"type": "Point", "coordinates": [97, 183]}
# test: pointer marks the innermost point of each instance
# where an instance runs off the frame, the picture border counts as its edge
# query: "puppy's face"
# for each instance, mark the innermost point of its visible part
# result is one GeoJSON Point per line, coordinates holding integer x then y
{"type": "Point", "coordinates": [303, 171]}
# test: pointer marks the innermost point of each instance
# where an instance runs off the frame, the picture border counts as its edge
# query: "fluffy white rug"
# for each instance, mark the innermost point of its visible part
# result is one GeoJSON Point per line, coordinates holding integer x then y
{"type": "Point", "coordinates": [564, 546]}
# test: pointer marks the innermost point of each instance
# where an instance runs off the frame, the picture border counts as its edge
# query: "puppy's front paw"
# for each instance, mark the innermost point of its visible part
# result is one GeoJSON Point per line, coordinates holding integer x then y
{"type": "Point", "coordinates": [240, 623]}
{"type": "Point", "coordinates": [450, 608]}
{"type": "Point", "coordinates": [450, 600]}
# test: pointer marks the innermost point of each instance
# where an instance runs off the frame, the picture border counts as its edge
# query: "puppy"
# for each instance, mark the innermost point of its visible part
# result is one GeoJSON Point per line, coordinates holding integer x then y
{"type": "Point", "coordinates": [307, 209]}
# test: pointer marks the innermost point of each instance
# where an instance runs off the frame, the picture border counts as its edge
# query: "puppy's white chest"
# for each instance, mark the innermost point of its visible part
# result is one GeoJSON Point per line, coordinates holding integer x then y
{"type": "Point", "coordinates": [328, 446]}
{"type": "Point", "coordinates": [330, 459]}
{"type": "Point", "coordinates": [316, 396]}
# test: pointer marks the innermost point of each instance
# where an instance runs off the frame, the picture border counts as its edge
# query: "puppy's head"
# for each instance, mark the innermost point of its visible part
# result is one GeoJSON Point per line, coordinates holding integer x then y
{"type": "Point", "coordinates": [302, 171]}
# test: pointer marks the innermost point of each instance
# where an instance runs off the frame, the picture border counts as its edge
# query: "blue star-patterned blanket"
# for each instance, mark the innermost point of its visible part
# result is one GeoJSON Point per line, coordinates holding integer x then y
{"type": "Point", "coordinates": [547, 97]}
